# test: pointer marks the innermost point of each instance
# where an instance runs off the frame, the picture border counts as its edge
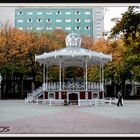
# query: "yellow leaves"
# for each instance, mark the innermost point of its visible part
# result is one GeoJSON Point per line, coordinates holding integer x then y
{"type": "Point", "coordinates": [119, 51]}
{"type": "Point", "coordinates": [86, 42]}
{"type": "Point", "coordinates": [26, 50]}
{"type": "Point", "coordinates": [14, 52]}
{"type": "Point", "coordinates": [101, 45]}
{"type": "Point", "coordinates": [2, 59]}
{"type": "Point", "coordinates": [59, 34]}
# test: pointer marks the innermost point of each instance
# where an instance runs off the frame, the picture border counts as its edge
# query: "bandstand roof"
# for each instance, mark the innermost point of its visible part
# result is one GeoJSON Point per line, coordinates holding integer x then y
{"type": "Point", "coordinates": [73, 55]}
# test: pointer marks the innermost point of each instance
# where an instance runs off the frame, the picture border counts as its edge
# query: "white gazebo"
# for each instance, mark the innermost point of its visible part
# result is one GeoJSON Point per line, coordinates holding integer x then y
{"type": "Point", "coordinates": [71, 55]}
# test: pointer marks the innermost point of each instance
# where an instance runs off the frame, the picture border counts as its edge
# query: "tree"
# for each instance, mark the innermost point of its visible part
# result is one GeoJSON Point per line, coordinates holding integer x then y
{"type": "Point", "coordinates": [86, 42]}
{"type": "Point", "coordinates": [129, 27]}
{"type": "Point", "coordinates": [18, 49]}
{"type": "Point", "coordinates": [129, 24]}
{"type": "Point", "coordinates": [115, 71]}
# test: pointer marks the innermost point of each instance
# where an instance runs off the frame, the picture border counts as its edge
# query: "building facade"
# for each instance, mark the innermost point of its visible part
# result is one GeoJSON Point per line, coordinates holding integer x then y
{"type": "Point", "coordinates": [83, 21]}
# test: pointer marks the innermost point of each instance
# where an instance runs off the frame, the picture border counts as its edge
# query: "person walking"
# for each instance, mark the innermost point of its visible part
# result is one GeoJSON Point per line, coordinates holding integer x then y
{"type": "Point", "coordinates": [119, 94]}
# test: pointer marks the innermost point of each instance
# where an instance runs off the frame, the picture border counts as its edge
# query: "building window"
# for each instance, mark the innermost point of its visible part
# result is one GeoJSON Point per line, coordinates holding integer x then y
{"type": "Point", "coordinates": [87, 28]}
{"type": "Point", "coordinates": [48, 13]}
{"type": "Point", "coordinates": [87, 13]}
{"type": "Point", "coordinates": [20, 13]}
{"type": "Point", "coordinates": [48, 20]}
{"type": "Point", "coordinates": [58, 28]}
{"type": "Point", "coordinates": [49, 28]}
{"type": "Point", "coordinates": [67, 13]}
{"type": "Point", "coordinates": [77, 13]}
{"type": "Point", "coordinates": [58, 20]}
{"type": "Point", "coordinates": [39, 20]}
{"type": "Point", "coordinates": [20, 28]}
{"type": "Point", "coordinates": [87, 20]}
{"type": "Point", "coordinates": [98, 28]}
{"type": "Point", "coordinates": [68, 28]}
{"type": "Point", "coordinates": [98, 36]}
{"type": "Point", "coordinates": [77, 28]}
{"type": "Point", "coordinates": [19, 20]}
{"type": "Point", "coordinates": [29, 13]}
{"type": "Point", "coordinates": [29, 20]}
{"type": "Point", "coordinates": [38, 28]}
{"type": "Point", "coordinates": [68, 20]}
{"type": "Point", "coordinates": [39, 13]}
{"type": "Point", "coordinates": [29, 28]}
{"type": "Point", "coordinates": [77, 20]}
{"type": "Point", "coordinates": [58, 13]}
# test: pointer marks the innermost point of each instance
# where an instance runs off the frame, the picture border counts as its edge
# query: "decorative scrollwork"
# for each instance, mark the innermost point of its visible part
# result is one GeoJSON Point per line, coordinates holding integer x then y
{"type": "Point", "coordinates": [4, 129]}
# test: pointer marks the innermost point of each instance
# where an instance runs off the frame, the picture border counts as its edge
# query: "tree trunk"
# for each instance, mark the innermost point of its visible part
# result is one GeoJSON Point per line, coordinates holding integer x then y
{"type": "Point", "coordinates": [123, 85]}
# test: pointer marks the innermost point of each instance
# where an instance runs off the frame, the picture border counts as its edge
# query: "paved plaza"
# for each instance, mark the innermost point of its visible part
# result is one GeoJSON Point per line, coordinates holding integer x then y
{"type": "Point", "coordinates": [20, 118]}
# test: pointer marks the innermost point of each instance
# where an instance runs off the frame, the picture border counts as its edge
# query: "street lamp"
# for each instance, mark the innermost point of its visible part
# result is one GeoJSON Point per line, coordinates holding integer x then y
{"type": "Point", "coordinates": [0, 84]}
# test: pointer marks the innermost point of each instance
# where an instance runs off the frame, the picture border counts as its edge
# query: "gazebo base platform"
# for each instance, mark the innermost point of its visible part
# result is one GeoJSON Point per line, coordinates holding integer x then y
{"type": "Point", "coordinates": [73, 94]}
{"type": "Point", "coordinates": [62, 102]}
{"type": "Point", "coordinates": [71, 97]}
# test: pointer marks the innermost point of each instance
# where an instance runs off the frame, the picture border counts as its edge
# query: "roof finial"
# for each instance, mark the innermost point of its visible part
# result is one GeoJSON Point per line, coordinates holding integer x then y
{"type": "Point", "coordinates": [73, 40]}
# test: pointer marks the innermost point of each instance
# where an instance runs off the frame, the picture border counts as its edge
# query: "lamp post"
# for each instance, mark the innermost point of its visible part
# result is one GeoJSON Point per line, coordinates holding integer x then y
{"type": "Point", "coordinates": [0, 84]}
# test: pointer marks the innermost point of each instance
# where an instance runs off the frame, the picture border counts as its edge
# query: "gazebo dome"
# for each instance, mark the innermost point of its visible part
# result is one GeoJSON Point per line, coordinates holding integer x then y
{"type": "Point", "coordinates": [73, 40]}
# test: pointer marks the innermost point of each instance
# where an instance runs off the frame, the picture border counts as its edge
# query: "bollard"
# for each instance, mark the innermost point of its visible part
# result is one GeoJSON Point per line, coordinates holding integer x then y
{"type": "Point", "coordinates": [37, 101]}
{"type": "Point", "coordinates": [90, 103]}
{"type": "Point", "coordinates": [79, 102]}
{"type": "Point", "coordinates": [25, 101]}
{"type": "Point", "coordinates": [96, 102]}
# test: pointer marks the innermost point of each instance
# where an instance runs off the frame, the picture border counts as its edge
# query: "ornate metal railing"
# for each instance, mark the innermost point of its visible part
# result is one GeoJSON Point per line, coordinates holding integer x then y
{"type": "Point", "coordinates": [71, 86]}
{"type": "Point", "coordinates": [35, 94]}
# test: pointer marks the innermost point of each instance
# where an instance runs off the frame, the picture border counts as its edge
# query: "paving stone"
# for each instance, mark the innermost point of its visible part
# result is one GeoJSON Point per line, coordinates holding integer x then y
{"type": "Point", "coordinates": [43, 119]}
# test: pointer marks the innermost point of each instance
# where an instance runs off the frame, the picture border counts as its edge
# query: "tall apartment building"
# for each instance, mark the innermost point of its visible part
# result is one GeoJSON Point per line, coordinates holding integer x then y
{"type": "Point", "coordinates": [82, 20]}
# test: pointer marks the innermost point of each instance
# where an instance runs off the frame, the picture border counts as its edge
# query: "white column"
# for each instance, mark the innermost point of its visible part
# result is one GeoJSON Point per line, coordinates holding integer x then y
{"type": "Point", "coordinates": [63, 78]}
{"type": "Point", "coordinates": [102, 76]}
{"type": "Point", "coordinates": [60, 95]}
{"type": "Point", "coordinates": [86, 74]}
{"type": "Point", "coordinates": [79, 102]}
{"type": "Point", "coordinates": [86, 95]}
{"type": "Point", "coordinates": [100, 68]}
{"type": "Point", "coordinates": [103, 80]}
{"type": "Point", "coordinates": [67, 97]}
{"type": "Point", "coordinates": [43, 76]}
{"type": "Point", "coordinates": [46, 77]}
{"type": "Point", "coordinates": [79, 99]}
{"type": "Point", "coordinates": [60, 80]}
{"type": "Point", "coordinates": [60, 75]}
